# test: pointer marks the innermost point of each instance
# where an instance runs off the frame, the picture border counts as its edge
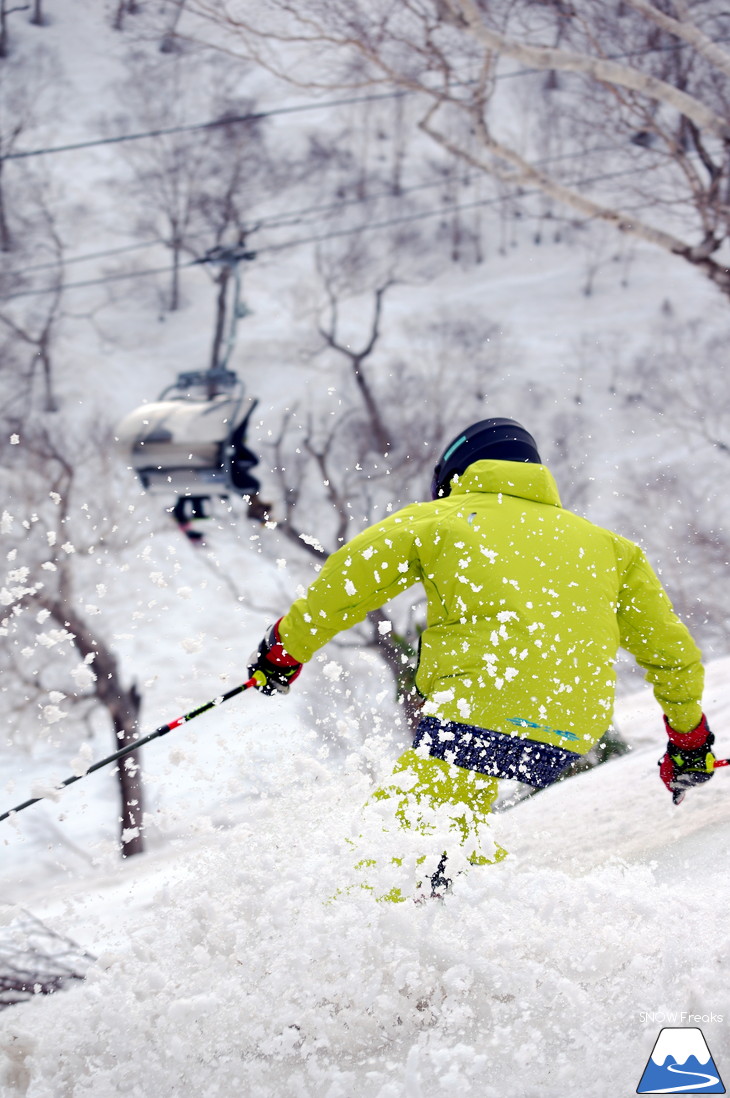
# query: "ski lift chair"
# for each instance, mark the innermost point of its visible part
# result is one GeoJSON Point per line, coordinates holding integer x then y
{"type": "Point", "coordinates": [190, 444]}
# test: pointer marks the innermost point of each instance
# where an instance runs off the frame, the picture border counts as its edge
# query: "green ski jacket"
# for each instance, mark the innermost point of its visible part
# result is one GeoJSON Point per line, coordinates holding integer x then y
{"type": "Point", "coordinates": [528, 605]}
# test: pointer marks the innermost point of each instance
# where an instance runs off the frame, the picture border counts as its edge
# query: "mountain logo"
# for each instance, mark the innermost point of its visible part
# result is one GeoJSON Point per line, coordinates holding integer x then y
{"type": "Point", "coordinates": [681, 1063]}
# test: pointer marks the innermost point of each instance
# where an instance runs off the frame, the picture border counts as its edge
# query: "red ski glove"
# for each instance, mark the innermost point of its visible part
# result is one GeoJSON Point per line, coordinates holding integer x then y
{"type": "Point", "coordinates": [689, 759]}
{"type": "Point", "coordinates": [271, 665]}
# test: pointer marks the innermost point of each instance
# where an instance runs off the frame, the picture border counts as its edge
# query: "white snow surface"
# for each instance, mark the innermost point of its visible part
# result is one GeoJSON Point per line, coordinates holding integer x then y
{"type": "Point", "coordinates": [223, 967]}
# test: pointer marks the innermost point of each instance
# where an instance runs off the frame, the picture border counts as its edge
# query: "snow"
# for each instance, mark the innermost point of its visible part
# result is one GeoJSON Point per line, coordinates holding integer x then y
{"type": "Point", "coordinates": [223, 962]}
{"type": "Point", "coordinates": [224, 965]}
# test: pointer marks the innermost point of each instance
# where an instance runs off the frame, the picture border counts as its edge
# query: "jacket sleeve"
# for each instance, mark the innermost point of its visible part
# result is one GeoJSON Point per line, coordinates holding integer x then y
{"type": "Point", "coordinates": [660, 643]}
{"type": "Point", "coordinates": [374, 567]}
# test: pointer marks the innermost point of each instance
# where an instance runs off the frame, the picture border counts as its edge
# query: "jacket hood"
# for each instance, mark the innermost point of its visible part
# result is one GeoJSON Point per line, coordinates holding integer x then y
{"type": "Point", "coordinates": [513, 478]}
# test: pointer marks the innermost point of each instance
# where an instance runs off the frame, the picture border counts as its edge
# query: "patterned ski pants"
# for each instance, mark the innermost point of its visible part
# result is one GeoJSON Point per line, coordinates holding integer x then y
{"type": "Point", "coordinates": [427, 823]}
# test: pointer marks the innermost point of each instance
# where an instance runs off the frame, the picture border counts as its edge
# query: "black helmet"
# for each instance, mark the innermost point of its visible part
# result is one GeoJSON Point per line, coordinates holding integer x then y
{"type": "Point", "coordinates": [500, 439]}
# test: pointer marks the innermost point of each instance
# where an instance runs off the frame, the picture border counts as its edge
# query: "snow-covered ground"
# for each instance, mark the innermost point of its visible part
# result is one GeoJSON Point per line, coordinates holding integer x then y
{"type": "Point", "coordinates": [223, 968]}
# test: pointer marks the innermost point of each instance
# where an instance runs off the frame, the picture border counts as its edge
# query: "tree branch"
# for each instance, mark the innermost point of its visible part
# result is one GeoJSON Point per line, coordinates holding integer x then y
{"type": "Point", "coordinates": [688, 32]}
{"type": "Point", "coordinates": [597, 68]}
{"type": "Point", "coordinates": [526, 173]}
{"type": "Point", "coordinates": [357, 358]}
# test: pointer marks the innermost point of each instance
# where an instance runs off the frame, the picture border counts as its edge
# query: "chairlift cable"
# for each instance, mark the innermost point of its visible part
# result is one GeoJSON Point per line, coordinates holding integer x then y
{"type": "Point", "coordinates": [292, 217]}
{"type": "Point", "coordinates": [316, 239]}
{"type": "Point", "coordinates": [255, 116]}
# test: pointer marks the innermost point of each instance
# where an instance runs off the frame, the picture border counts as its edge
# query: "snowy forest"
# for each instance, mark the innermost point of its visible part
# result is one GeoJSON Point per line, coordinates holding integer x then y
{"type": "Point", "coordinates": [322, 237]}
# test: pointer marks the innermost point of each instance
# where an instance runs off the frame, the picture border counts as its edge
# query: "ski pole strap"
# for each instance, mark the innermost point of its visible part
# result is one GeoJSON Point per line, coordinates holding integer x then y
{"type": "Point", "coordinates": [495, 753]}
{"type": "Point", "coordinates": [135, 744]}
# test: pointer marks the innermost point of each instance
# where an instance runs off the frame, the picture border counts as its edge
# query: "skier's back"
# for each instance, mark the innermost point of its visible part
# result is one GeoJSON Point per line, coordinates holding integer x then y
{"type": "Point", "coordinates": [527, 607]}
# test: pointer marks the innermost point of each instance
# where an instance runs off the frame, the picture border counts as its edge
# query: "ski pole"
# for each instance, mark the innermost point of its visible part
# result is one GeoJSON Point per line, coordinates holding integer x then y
{"type": "Point", "coordinates": [163, 730]}
{"type": "Point", "coordinates": [721, 762]}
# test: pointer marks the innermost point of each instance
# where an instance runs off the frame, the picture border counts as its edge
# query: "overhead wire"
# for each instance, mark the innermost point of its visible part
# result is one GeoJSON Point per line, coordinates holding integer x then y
{"type": "Point", "coordinates": [293, 217]}
{"type": "Point", "coordinates": [298, 108]}
{"type": "Point", "coordinates": [286, 218]}
{"type": "Point", "coordinates": [370, 226]}
{"type": "Point", "coordinates": [425, 214]}
{"type": "Point", "coordinates": [67, 260]}
{"type": "Point", "coordinates": [190, 127]}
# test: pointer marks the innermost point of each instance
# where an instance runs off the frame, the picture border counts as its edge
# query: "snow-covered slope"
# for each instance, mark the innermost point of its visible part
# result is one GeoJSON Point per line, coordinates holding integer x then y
{"type": "Point", "coordinates": [222, 967]}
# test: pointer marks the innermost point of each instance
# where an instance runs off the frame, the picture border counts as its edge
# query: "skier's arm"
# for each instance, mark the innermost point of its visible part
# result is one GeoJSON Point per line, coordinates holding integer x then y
{"type": "Point", "coordinates": [660, 643]}
{"type": "Point", "coordinates": [374, 567]}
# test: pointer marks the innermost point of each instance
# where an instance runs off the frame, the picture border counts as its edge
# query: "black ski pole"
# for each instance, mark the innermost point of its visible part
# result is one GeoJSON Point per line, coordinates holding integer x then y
{"type": "Point", "coordinates": [165, 728]}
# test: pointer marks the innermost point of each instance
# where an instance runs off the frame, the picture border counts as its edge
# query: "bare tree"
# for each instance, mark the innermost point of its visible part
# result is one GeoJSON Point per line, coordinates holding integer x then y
{"type": "Point", "coordinates": [357, 358]}
{"type": "Point", "coordinates": [35, 326]}
{"type": "Point", "coordinates": [168, 43]}
{"type": "Point", "coordinates": [689, 540]}
{"type": "Point", "coordinates": [48, 527]}
{"type": "Point", "coordinates": [123, 9]}
{"type": "Point", "coordinates": [650, 80]}
{"type": "Point", "coordinates": [26, 82]}
{"type": "Point", "coordinates": [367, 446]}
{"type": "Point", "coordinates": [5, 12]}
{"type": "Point", "coordinates": [35, 960]}
{"type": "Point", "coordinates": [673, 394]}
{"type": "Point", "coordinates": [678, 379]}
{"type": "Point", "coordinates": [37, 17]}
{"type": "Point", "coordinates": [37, 330]}
{"type": "Point", "coordinates": [198, 187]}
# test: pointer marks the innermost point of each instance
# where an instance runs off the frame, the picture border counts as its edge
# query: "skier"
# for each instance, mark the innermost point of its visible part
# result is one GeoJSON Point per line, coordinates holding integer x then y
{"type": "Point", "coordinates": [528, 604]}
